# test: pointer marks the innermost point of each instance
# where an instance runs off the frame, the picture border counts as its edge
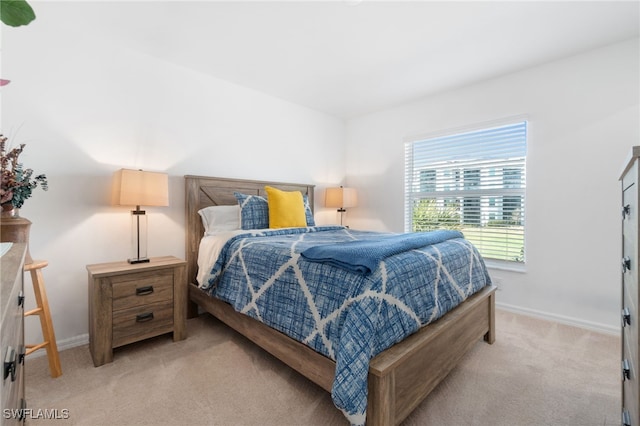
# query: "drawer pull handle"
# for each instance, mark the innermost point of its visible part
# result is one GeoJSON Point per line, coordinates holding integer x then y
{"type": "Point", "coordinates": [143, 291]}
{"type": "Point", "coordinates": [626, 418]}
{"type": "Point", "coordinates": [626, 317]}
{"type": "Point", "coordinates": [147, 316]}
{"type": "Point", "coordinates": [626, 264]}
{"type": "Point", "coordinates": [21, 299]}
{"type": "Point", "coordinates": [626, 371]}
{"type": "Point", "coordinates": [21, 354]}
{"type": "Point", "coordinates": [626, 210]}
{"type": "Point", "coordinates": [10, 362]}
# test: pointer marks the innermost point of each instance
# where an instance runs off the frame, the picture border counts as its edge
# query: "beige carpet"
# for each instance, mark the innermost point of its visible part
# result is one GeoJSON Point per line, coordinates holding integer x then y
{"type": "Point", "coordinates": [537, 373]}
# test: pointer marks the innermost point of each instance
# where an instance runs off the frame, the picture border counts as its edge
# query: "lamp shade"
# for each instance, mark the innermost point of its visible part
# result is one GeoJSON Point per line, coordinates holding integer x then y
{"type": "Point", "coordinates": [340, 197]}
{"type": "Point", "coordinates": [140, 188]}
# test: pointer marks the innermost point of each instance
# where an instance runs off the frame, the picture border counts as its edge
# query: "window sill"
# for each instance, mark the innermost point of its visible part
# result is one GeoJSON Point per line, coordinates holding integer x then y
{"type": "Point", "coordinates": [506, 266]}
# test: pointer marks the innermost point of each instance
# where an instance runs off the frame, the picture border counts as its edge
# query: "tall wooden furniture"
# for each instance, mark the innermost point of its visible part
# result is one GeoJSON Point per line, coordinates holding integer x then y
{"type": "Point", "coordinates": [42, 310]}
{"type": "Point", "coordinates": [12, 334]}
{"type": "Point", "coordinates": [132, 302]}
{"type": "Point", "coordinates": [630, 314]}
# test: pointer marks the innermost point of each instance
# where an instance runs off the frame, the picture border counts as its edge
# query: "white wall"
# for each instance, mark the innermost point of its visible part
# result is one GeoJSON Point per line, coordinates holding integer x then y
{"type": "Point", "coordinates": [86, 106]}
{"type": "Point", "coordinates": [583, 118]}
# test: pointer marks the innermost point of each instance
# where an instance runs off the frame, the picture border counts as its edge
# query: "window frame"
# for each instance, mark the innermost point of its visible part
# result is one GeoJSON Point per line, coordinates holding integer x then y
{"type": "Point", "coordinates": [494, 198]}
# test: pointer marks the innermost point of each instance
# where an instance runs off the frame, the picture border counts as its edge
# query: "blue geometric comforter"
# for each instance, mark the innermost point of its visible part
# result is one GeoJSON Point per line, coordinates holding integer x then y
{"type": "Point", "coordinates": [347, 316]}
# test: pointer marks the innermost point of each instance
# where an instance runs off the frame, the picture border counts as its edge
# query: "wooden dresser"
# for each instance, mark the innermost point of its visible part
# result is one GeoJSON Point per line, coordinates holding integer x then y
{"type": "Point", "coordinates": [12, 335]}
{"type": "Point", "coordinates": [132, 302]}
{"type": "Point", "coordinates": [630, 315]}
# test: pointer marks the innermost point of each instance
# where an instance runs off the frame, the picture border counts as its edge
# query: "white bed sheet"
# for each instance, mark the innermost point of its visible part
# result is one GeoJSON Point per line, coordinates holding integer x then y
{"type": "Point", "coordinates": [210, 248]}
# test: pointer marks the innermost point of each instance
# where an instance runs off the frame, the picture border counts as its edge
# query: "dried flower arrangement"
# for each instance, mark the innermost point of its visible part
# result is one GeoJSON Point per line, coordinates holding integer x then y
{"type": "Point", "coordinates": [17, 183]}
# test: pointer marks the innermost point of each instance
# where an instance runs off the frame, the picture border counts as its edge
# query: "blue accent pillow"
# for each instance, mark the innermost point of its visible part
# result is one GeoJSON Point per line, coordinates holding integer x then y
{"type": "Point", "coordinates": [307, 211]}
{"type": "Point", "coordinates": [254, 211]}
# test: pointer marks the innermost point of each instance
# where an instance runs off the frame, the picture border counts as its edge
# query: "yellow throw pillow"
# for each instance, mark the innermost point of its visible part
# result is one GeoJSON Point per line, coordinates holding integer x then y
{"type": "Point", "coordinates": [286, 209]}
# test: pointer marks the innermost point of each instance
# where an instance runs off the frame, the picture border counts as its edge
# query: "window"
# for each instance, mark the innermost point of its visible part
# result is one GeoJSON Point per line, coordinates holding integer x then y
{"type": "Point", "coordinates": [427, 180]}
{"type": "Point", "coordinates": [473, 182]}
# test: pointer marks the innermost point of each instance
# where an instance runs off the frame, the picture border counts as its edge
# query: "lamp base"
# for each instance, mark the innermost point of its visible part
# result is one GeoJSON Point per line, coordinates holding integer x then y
{"type": "Point", "coordinates": [139, 237]}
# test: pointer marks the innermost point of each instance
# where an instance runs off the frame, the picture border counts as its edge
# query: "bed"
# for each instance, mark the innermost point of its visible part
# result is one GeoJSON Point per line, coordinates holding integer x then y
{"type": "Point", "coordinates": [399, 377]}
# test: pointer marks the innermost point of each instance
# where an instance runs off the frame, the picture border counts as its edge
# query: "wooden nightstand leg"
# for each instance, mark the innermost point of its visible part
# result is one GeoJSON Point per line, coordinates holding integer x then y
{"type": "Point", "coordinates": [180, 304]}
{"type": "Point", "coordinates": [100, 321]}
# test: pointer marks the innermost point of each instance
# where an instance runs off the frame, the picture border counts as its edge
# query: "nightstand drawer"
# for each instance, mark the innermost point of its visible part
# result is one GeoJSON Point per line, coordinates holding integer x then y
{"type": "Point", "coordinates": [141, 289]}
{"type": "Point", "coordinates": [141, 322]}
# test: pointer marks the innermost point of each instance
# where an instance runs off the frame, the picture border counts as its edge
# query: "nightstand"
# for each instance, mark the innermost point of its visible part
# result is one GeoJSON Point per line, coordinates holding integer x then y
{"type": "Point", "coordinates": [132, 302]}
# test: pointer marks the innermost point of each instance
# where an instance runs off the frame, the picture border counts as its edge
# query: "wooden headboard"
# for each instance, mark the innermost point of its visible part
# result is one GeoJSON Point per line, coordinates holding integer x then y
{"type": "Point", "coordinates": [203, 191]}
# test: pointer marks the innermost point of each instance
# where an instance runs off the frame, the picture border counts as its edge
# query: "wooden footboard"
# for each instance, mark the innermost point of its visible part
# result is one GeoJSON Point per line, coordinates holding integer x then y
{"type": "Point", "coordinates": [401, 376]}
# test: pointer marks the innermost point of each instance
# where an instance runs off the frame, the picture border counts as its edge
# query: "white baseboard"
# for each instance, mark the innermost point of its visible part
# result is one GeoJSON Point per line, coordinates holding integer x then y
{"type": "Point", "coordinates": [72, 342]}
{"type": "Point", "coordinates": [593, 326]}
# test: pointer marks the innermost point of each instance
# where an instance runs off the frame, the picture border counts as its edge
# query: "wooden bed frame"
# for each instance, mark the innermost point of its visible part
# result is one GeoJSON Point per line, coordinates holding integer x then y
{"type": "Point", "coordinates": [400, 377]}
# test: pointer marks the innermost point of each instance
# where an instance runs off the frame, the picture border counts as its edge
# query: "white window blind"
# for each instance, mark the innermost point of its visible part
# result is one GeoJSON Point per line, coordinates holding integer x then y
{"type": "Point", "coordinates": [473, 182]}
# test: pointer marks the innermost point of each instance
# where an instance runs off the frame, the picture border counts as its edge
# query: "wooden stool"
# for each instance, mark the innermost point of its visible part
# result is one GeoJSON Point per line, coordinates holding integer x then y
{"type": "Point", "coordinates": [43, 312]}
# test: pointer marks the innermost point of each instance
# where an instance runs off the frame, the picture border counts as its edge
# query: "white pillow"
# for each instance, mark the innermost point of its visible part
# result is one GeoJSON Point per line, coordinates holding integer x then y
{"type": "Point", "coordinates": [220, 218]}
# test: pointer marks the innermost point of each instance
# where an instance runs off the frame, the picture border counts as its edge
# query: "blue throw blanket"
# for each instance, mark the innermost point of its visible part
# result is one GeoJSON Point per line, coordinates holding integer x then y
{"type": "Point", "coordinates": [364, 256]}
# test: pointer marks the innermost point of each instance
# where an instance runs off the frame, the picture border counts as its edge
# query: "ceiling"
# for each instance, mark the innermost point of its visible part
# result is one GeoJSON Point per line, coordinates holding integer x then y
{"type": "Point", "coordinates": [350, 57]}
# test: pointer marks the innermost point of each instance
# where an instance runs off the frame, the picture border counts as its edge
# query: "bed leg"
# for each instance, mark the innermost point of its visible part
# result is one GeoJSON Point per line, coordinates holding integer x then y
{"type": "Point", "coordinates": [192, 310]}
{"type": "Point", "coordinates": [192, 307]}
{"type": "Point", "coordinates": [381, 409]}
{"type": "Point", "coordinates": [490, 336]}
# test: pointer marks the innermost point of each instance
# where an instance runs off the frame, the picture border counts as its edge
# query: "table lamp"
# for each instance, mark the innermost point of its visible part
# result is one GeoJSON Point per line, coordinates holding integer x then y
{"type": "Point", "coordinates": [342, 198]}
{"type": "Point", "coordinates": [140, 188]}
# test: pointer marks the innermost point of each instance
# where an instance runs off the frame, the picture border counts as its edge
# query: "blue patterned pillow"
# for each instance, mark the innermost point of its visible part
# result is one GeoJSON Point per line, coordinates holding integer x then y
{"type": "Point", "coordinates": [254, 211]}
{"type": "Point", "coordinates": [307, 211]}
